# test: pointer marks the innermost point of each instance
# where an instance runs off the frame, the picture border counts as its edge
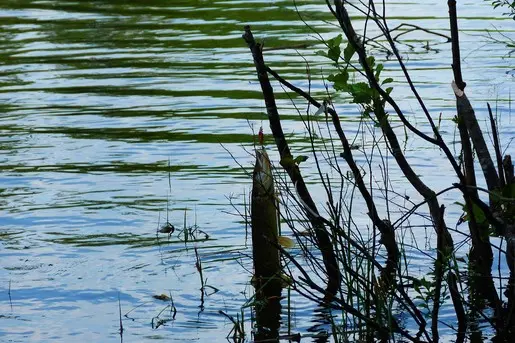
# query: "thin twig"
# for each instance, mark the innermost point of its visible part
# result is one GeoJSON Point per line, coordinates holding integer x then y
{"type": "Point", "coordinates": [9, 293]}
{"type": "Point", "coordinates": [120, 316]}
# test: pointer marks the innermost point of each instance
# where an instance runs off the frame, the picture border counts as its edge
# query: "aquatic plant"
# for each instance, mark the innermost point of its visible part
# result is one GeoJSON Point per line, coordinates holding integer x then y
{"type": "Point", "coordinates": [360, 269]}
{"type": "Point", "coordinates": [510, 5]}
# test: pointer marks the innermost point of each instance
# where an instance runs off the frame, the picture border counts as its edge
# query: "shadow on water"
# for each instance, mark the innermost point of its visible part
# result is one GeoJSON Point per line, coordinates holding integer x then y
{"type": "Point", "coordinates": [322, 322]}
{"type": "Point", "coordinates": [267, 308]}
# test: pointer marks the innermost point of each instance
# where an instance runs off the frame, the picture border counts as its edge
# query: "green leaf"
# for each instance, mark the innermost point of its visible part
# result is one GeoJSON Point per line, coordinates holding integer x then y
{"type": "Point", "coordinates": [387, 80]}
{"type": "Point", "coordinates": [334, 50]}
{"type": "Point", "coordinates": [348, 52]}
{"type": "Point", "coordinates": [371, 61]}
{"type": "Point", "coordinates": [334, 53]}
{"type": "Point", "coordinates": [335, 42]}
{"type": "Point", "coordinates": [379, 69]}
{"type": "Point", "coordinates": [425, 283]}
{"type": "Point", "coordinates": [478, 214]}
{"type": "Point", "coordinates": [389, 90]}
{"type": "Point", "coordinates": [299, 159]}
{"type": "Point", "coordinates": [361, 93]}
{"type": "Point", "coordinates": [321, 53]}
{"type": "Point", "coordinates": [340, 80]}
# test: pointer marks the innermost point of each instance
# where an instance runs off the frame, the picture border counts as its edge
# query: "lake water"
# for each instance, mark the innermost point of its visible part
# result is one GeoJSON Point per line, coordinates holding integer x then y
{"type": "Point", "coordinates": [115, 115]}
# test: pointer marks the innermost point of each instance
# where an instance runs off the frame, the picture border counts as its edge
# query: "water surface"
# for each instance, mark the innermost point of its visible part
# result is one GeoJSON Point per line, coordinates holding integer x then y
{"type": "Point", "coordinates": [116, 116]}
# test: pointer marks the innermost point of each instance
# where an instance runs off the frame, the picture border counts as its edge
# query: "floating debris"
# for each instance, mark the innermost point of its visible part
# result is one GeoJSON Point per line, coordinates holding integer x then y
{"type": "Point", "coordinates": [162, 297]}
{"type": "Point", "coordinates": [286, 242]}
{"type": "Point", "coordinates": [167, 228]}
